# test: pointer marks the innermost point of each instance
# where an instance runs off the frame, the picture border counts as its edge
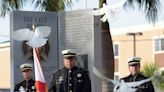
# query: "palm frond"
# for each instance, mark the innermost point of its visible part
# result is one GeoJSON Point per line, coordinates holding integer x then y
{"type": "Point", "coordinates": [9, 5]}
{"type": "Point", "coordinates": [150, 7]}
{"type": "Point", "coordinates": [101, 3]}
{"type": "Point", "coordinates": [53, 5]}
{"type": "Point", "coordinates": [69, 3]}
{"type": "Point", "coordinates": [45, 5]}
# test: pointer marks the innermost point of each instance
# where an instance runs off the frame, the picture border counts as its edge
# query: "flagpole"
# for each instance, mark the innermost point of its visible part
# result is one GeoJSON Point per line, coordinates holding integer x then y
{"type": "Point", "coordinates": [40, 82]}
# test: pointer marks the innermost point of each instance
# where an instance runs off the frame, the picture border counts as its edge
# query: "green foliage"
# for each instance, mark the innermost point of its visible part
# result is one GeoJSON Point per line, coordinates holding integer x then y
{"type": "Point", "coordinates": [9, 5]}
{"type": "Point", "coordinates": [53, 5]}
{"type": "Point", "coordinates": [101, 3]}
{"type": "Point", "coordinates": [159, 81]}
{"type": "Point", "coordinates": [149, 70]}
{"type": "Point", "coordinates": [44, 5]}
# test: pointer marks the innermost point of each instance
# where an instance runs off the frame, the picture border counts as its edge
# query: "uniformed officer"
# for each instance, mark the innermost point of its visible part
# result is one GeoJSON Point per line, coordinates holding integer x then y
{"type": "Point", "coordinates": [28, 84]}
{"type": "Point", "coordinates": [135, 75]}
{"type": "Point", "coordinates": [70, 78]}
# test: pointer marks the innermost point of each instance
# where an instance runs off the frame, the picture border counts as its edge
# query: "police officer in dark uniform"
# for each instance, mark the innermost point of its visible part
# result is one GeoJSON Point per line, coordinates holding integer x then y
{"type": "Point", "coordinates": [70, 78]}
{"type": "Point", "coordinates": [28, 84]}
{"type": "Point", "coordinates": [135, 75]}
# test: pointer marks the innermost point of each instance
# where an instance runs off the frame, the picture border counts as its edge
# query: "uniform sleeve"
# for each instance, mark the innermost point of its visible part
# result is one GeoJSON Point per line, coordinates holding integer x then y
{"type": "Point", "coordinates": [150, 87]}
{"type": "Point", "coordinates": [87, 83]}
{"type": "Point", "coordinates": [16, 88]}
{"type": "Point", "coordinates": [52, 87]}
{"type": "Point", "coordinates": [116, 87]}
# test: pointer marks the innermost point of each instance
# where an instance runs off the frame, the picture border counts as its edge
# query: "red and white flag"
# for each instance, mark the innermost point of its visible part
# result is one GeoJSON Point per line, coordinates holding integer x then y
{"type": "Point", "coordinates": [40, 82]}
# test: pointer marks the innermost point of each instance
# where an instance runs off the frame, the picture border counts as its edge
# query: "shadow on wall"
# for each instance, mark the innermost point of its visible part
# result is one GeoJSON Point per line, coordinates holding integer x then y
{"type": "Point", "coordinates": [82, 61]}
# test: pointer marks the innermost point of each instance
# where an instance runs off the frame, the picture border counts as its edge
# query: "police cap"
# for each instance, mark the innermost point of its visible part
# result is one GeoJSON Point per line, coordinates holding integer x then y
{"type": "Point", "coordinates": [68, 53]}
{"type": "Point", "coordinates": [26, 66]}
{"type": "Point", "coordinates": [134, 60]}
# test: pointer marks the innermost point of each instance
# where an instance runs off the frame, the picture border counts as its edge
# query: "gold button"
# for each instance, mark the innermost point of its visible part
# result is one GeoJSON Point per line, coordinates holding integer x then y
{"type": "Point", "coordinates": [70, 91]}
{"type": "Point", "coordinates": [70, 78]}
{"type": "Point", "coordinates": [69, 71]}
{"type": "Point", "coordinates": [70, 84]}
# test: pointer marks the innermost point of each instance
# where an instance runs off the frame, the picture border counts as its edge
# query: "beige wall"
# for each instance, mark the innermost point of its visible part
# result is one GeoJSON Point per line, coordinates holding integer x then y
{"type": "Point", "coordinates": [144, 46]}
{"type": "Point", "coordinates": [4, 66]}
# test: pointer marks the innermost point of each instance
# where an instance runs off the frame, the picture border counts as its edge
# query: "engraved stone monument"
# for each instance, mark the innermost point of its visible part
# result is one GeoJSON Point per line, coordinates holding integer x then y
{"type": "Point", "coordinates": [81, 31]}
{"type": "Point", "coordinates": [22, 53]}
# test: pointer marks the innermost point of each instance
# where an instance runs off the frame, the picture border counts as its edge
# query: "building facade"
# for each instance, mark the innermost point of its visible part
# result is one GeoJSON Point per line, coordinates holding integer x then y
{"type": "Point", "coordinates": [149, 45]}
{"type": "Point", "coordinates": [5, 67]}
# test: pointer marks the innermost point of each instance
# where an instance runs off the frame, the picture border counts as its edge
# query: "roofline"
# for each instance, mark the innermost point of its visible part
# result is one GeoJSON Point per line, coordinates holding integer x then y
{"type": "Point", "coordinates": [5, 44]}
{"type": "Point", "coordinates": [137, 28]}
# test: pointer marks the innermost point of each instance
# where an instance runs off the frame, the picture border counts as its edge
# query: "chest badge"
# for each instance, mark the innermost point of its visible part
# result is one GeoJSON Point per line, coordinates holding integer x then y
{"type": "Point", "coordinates": [60, 79]}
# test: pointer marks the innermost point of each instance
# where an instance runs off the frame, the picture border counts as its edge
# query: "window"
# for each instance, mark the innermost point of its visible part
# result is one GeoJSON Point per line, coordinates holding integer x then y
{"type": "Point", "coordinates": [116, 49]}
{"type": "Point", "coordinates": [159, 44]}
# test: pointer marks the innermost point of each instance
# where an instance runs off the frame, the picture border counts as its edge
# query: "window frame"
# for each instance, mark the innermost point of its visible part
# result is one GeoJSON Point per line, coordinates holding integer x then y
{"type": "Point", "coordinates": [118, 75]}
{"type": "Point", "coordinates": [116, 43]}
{"type": "Point", "coordinates": [159, 43]}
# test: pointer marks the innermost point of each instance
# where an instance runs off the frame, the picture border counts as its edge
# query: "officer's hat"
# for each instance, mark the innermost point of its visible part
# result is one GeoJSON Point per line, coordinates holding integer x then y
{"type": "Point", "coordinates": [26, 66]}
{"type": "Point", "coordinates": [68, 53]}
{"type": "Point", "coordinates": [134, 60]}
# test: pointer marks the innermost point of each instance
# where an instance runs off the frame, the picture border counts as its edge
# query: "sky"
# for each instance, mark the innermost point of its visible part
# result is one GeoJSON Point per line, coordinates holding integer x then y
{"type": "Point", "coordinates": [134, 17]}
{"type": "Point", "coordinates": [129, 17]}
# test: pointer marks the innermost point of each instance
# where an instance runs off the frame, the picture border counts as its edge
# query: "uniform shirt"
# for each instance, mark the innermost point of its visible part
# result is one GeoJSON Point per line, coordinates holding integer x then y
{"type": "Point", "coordinates": [28, 86]}
{"type": "Point", "coordinates": [74, 80]}
{"type": "Point", "coordinates": [146, 87]}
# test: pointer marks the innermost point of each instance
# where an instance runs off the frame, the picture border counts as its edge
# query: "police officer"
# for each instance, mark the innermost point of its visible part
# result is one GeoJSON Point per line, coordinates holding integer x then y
{"type": "Point", "coordinates": [70, 78]}
{"type": "Point", "coordinates": [135, 75]}
{"type": "Point", "coordinates": [28, 84]}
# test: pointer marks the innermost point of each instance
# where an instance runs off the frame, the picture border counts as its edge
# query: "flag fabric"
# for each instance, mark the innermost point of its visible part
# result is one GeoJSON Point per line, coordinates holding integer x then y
{"type": "Point", "coordinates": [40, 82]}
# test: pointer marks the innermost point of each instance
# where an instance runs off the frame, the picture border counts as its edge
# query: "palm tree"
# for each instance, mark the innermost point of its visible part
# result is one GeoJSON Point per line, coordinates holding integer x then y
{"type": "Point", "coordinates": [150, 7]}
{"type": "Point", "coordinates": [46, 5]}
{"type": "Point", "coordinates": [107, 54]}
{"type": "Point", "coordinates": [53, 5]}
